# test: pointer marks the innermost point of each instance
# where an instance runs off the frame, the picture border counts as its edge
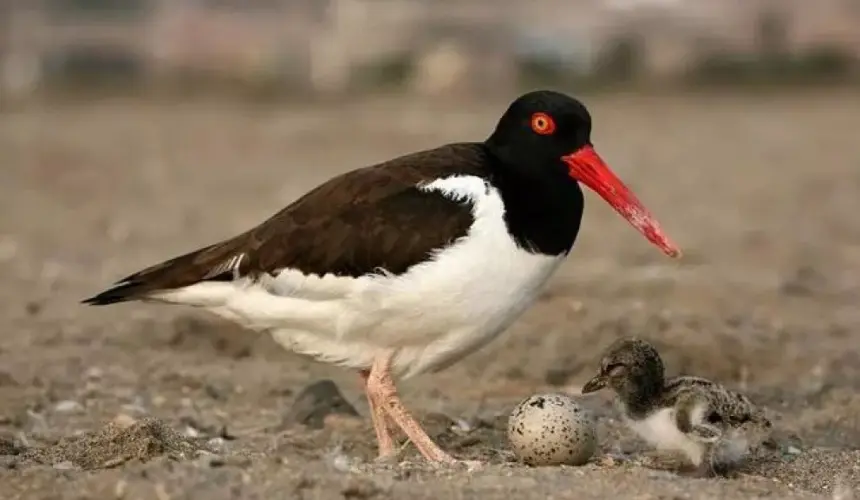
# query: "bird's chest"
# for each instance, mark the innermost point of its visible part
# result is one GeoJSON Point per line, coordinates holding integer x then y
{"type": "Point", "coordinates": [482, 281]}
{"type": "Point", "coordinates": [660, 430]}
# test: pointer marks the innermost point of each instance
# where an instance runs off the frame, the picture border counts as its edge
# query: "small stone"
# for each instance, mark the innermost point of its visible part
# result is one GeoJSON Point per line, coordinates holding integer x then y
{"type": "Point", "coordinates": [158, 401]}
{"type": "Point", "coordinates": [9, 447]}
{"type": "Point", "coordinates": [191, 432]}
{"type": "Point", "coordinates": [33, 307]}
{"type": "Point", "coordinates": [120, 488]}
{"type": "Point", "coordinates": [215, 393]}
{"type": "Point", "coordinates": [136, 407]}
{"type": "Point", "coordinates": [217, 444]}
{"type": "Point", "coordinates": [124, 421]}
{"type": "Point", "coordinates": [317, 401]}
{"type": "Point", "coordinates": [65, 465]}
{"type": "Point", "coordinates": [607, 461]}
{"type": "Point", "coordinates": [68, 406]}
{"type": "Point", "coordinates": [219, 461]}
{"type": "Point", "coordinates": [793, 450]}
{"type": "Point", "coordinates": [7, 380]}
{"type": "Point", "coordinates": [225, 434]}
{"type": "Point", "coordinates": [114, 462]}
{"type": "Point", "coordinates": [338, 460]}
{"type": "Point", "coordinates": [360, 489]}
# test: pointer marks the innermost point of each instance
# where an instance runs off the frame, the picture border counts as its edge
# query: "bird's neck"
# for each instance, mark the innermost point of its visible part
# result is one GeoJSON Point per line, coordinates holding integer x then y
{"type": "Point", "coordinates": [640, 395]}
{"type": "Point", "coordinates": [542, 215]}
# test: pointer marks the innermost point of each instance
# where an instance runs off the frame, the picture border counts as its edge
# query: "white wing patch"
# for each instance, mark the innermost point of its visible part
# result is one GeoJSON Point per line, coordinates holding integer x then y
{"type": "Point", "coordinates": [230, 265]}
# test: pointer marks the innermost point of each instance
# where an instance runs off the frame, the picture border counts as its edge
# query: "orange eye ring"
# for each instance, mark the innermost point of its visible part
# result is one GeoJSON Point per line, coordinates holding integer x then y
{"type": "Point", "coordinates": [543, 124]}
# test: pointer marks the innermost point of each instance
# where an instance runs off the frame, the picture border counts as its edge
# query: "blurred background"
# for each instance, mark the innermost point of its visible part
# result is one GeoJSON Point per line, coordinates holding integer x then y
{"type": "Point", "coordinates": [329, 47]}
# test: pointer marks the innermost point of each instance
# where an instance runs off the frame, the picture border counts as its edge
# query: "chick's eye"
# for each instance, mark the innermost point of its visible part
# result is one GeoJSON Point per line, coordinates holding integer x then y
{"type": "Point", "coordinates": [614, 369]}
{"type": "Point", "coordinates": [543, 124]}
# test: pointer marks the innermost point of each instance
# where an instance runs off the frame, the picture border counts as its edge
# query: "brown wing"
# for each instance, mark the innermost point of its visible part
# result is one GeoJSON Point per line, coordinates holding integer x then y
{"type": "Point", "coordinates": [355, 224]}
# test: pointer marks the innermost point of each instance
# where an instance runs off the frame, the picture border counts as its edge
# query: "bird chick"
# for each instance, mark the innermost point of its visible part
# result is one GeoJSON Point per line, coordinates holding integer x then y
{"type": "Point", "coordinates": [713, 426]}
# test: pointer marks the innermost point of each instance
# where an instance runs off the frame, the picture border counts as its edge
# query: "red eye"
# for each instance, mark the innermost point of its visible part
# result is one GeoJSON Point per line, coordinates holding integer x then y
{"type": "Point", "coordinates": [543, 124]}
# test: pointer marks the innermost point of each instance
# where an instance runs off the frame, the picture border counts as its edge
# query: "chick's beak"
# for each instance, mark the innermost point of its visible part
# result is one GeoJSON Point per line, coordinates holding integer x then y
{"type": "Point", "coordinates": [595, 384]}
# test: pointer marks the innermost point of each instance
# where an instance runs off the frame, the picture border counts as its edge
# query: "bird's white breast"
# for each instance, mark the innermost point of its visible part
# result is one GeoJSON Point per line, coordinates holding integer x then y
{"type": "Point", "coordinates": [660, 430]}
{"type": "Point", "coordinates": [430, 316]}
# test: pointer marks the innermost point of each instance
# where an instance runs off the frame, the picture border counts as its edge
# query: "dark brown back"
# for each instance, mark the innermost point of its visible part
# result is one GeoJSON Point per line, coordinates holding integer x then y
{"type": "Point", "coordinates": [370, 219]}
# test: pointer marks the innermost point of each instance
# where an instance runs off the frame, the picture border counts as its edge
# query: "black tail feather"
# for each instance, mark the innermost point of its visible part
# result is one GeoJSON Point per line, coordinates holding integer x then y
{"type": "Point", "coordinates": [123, 291]}
{"type": "Point", "coordinates": [204, 264]}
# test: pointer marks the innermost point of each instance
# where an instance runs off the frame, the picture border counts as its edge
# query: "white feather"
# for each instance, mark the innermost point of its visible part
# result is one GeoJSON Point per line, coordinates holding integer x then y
{"type": "Point", "coordinates": [429, 317]}
{"type": "Point", "coordinates": [732, 449]}
{"type": "Point", "coordinates": [660, 430]}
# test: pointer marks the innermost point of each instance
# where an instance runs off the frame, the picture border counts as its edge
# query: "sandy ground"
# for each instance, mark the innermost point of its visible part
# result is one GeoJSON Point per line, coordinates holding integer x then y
{"type": "Point", "coordinates": [141, 401]}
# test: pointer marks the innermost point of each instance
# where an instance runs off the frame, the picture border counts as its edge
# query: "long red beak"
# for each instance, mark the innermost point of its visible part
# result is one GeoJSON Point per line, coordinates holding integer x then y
{"type": "Point", "coordinates": [587, 167]}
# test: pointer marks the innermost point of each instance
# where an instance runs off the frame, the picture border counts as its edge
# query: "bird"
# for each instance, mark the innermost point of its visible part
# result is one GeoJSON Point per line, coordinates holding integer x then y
{"type": "Point", "coordinates": [407, 266]}
{"type": "Point", "coordinates": [711, 424]}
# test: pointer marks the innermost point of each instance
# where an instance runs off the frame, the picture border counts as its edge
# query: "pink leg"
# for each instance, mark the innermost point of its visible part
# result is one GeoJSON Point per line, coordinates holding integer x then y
{"type": "Point", "coordinates": [379, 418]}
{"type": "Point", "coordinates": [381, 386]}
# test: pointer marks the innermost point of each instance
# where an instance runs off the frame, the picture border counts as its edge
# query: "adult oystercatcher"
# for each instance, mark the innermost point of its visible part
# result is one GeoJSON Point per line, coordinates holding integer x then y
{"type": "Point", "coordinates": [406, 266]}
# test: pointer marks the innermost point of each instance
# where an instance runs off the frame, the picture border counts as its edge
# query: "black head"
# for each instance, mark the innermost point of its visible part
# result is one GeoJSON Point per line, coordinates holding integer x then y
{"type": "Point", "coordinates": [537, 130]}
{"type": "Point", "coordinates": [544, 138]}
{"type": "Point", "coordinates": [632, 368]}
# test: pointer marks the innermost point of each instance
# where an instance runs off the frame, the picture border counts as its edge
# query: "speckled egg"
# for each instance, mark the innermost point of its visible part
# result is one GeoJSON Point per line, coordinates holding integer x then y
{"type": "Point", "coordinates": [552, 429]}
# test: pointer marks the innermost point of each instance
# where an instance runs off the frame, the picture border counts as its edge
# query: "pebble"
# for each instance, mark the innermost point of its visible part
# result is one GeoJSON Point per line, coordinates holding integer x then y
{"type": "Point", "coordinates": [316, 402]}
{"type": "Point", "coordinates": [338, 460]}
{"type": "Point", "coordinates": [7, 379]}
{"type": "Point", "coordinates": [134, 408]}
{"type": "Point", "coordinates": [191, 432]}
{"type": "Point", "coordinates": [120, 488]}
{"type": "Point", "coordinates": [217, 444]}
{"type": "Point", "coordinates": [124, 421]}
{"type": "Point", "coordinates": [68, 406]}
{"type": "Point", "coordinates": [65, 465]}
